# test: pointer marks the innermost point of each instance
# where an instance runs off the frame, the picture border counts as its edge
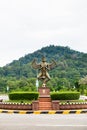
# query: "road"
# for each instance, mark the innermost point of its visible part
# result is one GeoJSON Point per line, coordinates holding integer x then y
{"type": "Point", "coordinates": [43, 121]}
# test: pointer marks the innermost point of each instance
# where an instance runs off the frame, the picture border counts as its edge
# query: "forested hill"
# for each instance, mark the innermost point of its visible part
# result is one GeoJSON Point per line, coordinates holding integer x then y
{"type": "Point", "coordinates": [71, 64]}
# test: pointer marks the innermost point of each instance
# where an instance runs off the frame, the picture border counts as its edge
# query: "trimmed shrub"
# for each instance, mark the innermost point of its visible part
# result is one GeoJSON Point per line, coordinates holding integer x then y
{"type": "Point", "coordinates": [65, 95]}
{"type": "Point", "coordinates": [23, 95]}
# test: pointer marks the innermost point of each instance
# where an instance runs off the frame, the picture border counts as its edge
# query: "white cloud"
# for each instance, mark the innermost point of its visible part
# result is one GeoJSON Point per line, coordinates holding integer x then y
{"type": "Point", "coordinates": [28, 25]}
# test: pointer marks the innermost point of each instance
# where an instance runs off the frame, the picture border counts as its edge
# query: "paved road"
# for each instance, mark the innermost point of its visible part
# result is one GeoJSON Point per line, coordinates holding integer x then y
{"type": "Point", "coordinates": [43, 122]}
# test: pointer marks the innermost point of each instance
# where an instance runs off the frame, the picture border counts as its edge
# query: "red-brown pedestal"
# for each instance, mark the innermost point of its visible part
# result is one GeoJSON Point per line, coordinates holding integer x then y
{"type": "Point", "coordinates": [44, 102]}
{"type": "Point", "coordinates": [44, 99]}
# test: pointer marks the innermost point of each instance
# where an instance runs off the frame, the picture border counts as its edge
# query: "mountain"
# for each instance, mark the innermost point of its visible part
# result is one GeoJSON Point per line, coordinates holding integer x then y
{"type": "Point", "coordinates": [72, 60]}
{"type": "Point", "coordinates": [72, 65]}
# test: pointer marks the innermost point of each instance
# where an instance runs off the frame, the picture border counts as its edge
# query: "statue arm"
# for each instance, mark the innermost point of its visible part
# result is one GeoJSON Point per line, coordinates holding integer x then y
{"type": "Point", "coordinates": [35, 65]}
{"type": "Point", "coordinates": [52, 65]}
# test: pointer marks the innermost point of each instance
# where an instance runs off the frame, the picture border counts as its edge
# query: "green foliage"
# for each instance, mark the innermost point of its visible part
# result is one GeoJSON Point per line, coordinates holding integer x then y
{"type": "Point", "coordinates": [83, 80]}
{"type": "Point", "coordinates": [77, 85]}
{"type": "Point", "coordinates": [86, 93]}
{"type": "Point", "coordinates": [72, 65]}
{"type": "Point", "coordinates": [65, 95]}
{"type": "Point", "coordinates": [23, 95]}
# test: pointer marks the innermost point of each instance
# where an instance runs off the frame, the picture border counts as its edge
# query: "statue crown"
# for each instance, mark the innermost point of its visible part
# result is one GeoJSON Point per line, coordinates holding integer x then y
{"type": "Point", "coordinates": [43, 59]}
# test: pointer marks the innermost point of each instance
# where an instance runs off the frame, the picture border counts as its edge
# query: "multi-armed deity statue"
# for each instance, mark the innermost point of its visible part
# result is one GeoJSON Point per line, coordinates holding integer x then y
{"type": "Point", "coordinates": [43, 67]}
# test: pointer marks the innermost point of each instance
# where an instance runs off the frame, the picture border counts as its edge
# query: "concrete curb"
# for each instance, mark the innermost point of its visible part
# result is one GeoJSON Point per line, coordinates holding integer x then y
{"type": "Point", "coordinates": [45, 112]}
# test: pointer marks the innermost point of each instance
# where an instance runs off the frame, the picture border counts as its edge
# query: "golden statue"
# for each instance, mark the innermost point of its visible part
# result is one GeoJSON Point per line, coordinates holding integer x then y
{"type": "Point", "coordinates": [43, 67]}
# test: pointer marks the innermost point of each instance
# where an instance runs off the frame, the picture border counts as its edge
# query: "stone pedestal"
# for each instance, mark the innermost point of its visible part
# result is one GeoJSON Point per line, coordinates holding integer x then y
{"type": "Point", "coordinates": [44, 102]}
{"type": "Point", "coordinates": [44, 99]}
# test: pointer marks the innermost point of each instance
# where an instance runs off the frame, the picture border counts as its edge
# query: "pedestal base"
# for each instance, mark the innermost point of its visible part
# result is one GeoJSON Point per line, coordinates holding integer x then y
{"type": "Point", "coordinates": [44, 102]}
{"type": "Point", "coordinates": [44, 99]}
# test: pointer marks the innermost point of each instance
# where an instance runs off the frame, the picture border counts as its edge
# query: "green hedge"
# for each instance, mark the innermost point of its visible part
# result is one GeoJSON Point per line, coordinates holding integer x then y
{"type": "Point", "coordinates": [23, 95]}
{"type": "Point", "coordinates": [65, 95]}
{"type": "Point", "coordinates": [34, 95]}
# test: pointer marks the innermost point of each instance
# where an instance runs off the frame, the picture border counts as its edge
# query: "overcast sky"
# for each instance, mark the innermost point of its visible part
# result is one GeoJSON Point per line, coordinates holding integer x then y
{"type": "Point", "coordinates": [29, 25]}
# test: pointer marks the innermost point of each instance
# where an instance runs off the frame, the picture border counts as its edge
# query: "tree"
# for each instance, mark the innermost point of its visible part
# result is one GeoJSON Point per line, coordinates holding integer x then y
{"type": "Point", "coordinates": [77, 86]}
{"type": "Point", "coordinates": [83, 84]}
{"type": "Point", "coordinates": [83, 80]}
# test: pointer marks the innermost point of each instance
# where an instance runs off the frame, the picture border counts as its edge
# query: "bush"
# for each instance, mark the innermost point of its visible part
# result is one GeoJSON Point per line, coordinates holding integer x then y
{"type": "Point", "coordinates": [23, 95]}
{"type": "Point", "coordinates": [65, 95]}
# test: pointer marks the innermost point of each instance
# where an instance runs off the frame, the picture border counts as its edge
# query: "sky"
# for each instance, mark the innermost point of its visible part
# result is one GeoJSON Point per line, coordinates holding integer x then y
{"type": "Point", "coordinates": [29, 25]}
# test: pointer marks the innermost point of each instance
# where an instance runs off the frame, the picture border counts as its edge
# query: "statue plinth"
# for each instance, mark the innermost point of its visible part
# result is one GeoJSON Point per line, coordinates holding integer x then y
{"type": "Point", "coordinates": [44, 92]}
{"type": "Point", "coordinates": [44, 102]}
{"type": "Point", "coordinates": [44, 98]}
